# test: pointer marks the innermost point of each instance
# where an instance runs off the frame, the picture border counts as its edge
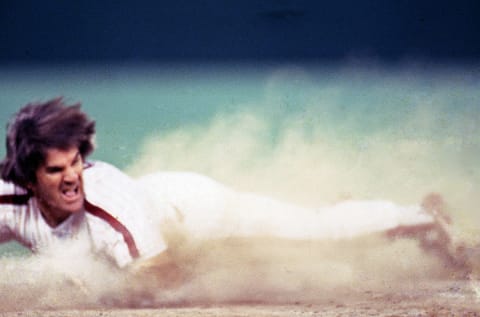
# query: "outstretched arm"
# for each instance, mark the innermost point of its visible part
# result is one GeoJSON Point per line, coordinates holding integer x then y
{"type": "Point", "coordinates": [13, 200]}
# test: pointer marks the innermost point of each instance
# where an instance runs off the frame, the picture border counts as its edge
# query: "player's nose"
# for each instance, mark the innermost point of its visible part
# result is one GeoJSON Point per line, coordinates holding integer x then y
{"type": "Point", "coordinates": [71, 175]}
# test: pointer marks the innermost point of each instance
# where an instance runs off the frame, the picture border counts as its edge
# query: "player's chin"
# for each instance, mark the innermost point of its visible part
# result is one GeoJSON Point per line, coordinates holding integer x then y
{"type": "Point", "coordinates": [74, 207]}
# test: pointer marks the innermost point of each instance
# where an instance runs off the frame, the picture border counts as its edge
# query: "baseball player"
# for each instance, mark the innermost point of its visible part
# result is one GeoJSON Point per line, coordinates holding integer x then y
{"type": "Point", "coordinates": [51, 195]}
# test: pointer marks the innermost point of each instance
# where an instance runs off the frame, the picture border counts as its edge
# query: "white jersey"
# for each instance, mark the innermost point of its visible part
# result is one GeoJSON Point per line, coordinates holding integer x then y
{"type": "Point", "coordinates": [124, 218]}
{"type": "Point", "coordinates": [114, 218]}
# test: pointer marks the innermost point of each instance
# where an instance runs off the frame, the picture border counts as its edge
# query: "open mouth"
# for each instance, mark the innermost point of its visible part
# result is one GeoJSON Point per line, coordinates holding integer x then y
{"type": "Point", "coordinates": [71, 193]}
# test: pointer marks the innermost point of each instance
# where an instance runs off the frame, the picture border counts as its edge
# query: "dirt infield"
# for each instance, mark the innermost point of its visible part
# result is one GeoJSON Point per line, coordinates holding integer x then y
{"type": "Point", "coordinates": [437, 298]}
{"type": "Point", "coordinates": [366, 277]}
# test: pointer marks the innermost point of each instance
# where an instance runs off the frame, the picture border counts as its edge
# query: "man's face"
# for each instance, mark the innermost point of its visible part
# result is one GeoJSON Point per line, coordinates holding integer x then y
{"type": "Point", "coordinates": [59, 186]}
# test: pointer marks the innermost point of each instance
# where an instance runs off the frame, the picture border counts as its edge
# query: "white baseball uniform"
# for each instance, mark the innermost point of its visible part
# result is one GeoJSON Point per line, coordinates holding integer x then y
{"type": "Point", "coordinates": [123, 218]}
{"type": "Point", "coordinates": [113, 218]}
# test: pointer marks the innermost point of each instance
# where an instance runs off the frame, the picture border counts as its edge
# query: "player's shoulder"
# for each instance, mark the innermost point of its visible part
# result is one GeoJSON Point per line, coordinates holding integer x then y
{"type": "Point", "coordinates": [10, 189]}
{"type": "Point", "coordinates": [102, 176]}
{"type": "Point", "coordinates": [99, 170]}
{"type": "Point", "coordinates": [105, 173]}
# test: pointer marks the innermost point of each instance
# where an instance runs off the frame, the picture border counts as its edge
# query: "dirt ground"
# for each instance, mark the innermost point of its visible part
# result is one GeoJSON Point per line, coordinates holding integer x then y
{"type": "Point", "coordinates": [367, 277]}
{"type": "Point", "coordinates": [437, 298]}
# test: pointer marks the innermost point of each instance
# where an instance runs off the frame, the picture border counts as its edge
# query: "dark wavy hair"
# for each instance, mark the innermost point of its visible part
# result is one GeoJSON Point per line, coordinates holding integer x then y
{"type": "Point", "coordinates": [40, 126]}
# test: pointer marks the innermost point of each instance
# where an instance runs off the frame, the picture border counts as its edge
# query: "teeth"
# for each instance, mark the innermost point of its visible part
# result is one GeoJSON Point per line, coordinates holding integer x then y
{"type": "Point", "coordinates": [70, 192]}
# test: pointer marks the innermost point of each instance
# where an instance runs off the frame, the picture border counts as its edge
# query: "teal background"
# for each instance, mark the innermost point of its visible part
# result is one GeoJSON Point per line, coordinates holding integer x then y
{"type": "Point", "coordinates": [347, 105]}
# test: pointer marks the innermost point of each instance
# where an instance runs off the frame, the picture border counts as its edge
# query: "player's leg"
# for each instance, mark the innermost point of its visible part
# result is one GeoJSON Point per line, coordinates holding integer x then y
{"type": "Point", "coordinates": [434, 237]}
{"type": "Point", "coordinates": [205, 208]}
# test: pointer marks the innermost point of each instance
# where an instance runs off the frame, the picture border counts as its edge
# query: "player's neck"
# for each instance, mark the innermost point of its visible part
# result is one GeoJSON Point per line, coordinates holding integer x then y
{"type": "Point", "coordinates": [52, 218]}
{"type": "Point", "coordinates": [53, 221]}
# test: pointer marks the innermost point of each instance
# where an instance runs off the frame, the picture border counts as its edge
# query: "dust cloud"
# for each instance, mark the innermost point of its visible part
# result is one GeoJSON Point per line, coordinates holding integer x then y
{"type": "Point", "coordinates": [314, 155]}
{"type": "Point", "coordinates": [395, 147]}
{"type": "Point", "coordinates": [222, 271]}
{"type": "Point", "coordinates": [304, 164]}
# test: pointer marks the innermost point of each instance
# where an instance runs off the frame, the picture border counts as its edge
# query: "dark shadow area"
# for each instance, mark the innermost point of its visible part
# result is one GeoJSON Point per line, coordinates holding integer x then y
{"type": "Point", "coordinates": [213, 30]}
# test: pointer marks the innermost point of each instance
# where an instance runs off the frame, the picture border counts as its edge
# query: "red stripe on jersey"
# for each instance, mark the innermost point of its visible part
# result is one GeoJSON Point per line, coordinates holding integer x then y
{"type": "Point", "coordinates": [117, 225]}
{"type": "Point", "coordinates": [14, 199]}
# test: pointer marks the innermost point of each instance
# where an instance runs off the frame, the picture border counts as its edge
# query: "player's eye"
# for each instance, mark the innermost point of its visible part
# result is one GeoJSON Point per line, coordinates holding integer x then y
{"type": "Point", "coordinates": [53, 169]}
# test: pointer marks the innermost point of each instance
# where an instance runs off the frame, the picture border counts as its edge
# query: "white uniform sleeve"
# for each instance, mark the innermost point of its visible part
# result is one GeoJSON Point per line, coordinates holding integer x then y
{"type": "Point", "coordinates": [7, 211]}
{"type": "Point", "coordinates": [119, 195]}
